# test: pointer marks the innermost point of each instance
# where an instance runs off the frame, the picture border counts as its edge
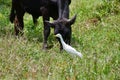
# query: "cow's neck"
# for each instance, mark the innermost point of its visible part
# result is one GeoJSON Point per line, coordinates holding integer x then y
{"type": "Point", "coordinates": [63, 8]}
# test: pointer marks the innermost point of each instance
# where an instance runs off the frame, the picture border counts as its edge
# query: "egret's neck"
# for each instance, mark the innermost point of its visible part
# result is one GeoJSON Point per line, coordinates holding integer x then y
{"type": "Point", "coordinates": [62, 41]}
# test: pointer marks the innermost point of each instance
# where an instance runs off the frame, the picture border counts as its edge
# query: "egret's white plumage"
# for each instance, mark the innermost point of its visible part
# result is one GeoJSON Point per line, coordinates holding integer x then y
{"type": "Point", "coordinates": [67, 47]}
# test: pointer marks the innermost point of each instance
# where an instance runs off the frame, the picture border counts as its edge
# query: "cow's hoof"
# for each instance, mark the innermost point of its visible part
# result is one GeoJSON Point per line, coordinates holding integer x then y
{"type": "Point", "coordinates": [46, 47]}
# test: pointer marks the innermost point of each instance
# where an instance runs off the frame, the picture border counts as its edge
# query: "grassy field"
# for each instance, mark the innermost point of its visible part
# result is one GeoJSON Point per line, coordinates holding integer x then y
{"type": "Point", "coordinates": [96, 34]}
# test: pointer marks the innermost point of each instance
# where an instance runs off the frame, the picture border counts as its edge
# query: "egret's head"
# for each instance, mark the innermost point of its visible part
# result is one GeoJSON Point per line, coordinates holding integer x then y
{"type": "Point", "coordinates": [58, 35]}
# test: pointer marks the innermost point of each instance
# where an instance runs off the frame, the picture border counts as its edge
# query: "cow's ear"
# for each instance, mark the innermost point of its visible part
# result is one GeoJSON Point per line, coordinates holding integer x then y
{"type": "Point", "coordinates": [50, 23]}
{"type": "Point", "coordinates": [71, 21]}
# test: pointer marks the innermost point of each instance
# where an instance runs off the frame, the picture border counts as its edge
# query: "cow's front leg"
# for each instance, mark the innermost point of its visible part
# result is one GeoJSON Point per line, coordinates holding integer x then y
{"type": "Point", "coordinates": [46, 31]}
{"type": "Point", "coordinates": [46, 34]}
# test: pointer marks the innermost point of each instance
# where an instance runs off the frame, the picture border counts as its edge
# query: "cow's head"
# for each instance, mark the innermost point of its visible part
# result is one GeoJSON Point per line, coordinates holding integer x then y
{"type": "Point", "coordinates": [63, 26]}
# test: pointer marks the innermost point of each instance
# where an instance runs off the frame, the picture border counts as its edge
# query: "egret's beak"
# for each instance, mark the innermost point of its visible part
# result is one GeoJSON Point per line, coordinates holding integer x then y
{"type": "Point", "coordinates": [55, 35]}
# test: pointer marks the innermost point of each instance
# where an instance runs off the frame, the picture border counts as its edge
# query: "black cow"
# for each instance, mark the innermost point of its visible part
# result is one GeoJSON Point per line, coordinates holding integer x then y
{"type": "Point", "coordinates": [57, 9]}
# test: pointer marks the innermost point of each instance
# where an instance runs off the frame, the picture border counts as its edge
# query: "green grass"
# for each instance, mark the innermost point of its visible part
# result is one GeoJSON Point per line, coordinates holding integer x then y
{"type": "Point", "coordinates": [99, 42]}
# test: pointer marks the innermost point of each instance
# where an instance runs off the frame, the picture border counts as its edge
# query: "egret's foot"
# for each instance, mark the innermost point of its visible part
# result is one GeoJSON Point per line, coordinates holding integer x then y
{"type": "Point", "coordinates": [61, 48]}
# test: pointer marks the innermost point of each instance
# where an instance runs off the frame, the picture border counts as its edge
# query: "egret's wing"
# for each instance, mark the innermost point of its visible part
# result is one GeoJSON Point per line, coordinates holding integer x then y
{"type": "Point", "coordinates": [71, 50]}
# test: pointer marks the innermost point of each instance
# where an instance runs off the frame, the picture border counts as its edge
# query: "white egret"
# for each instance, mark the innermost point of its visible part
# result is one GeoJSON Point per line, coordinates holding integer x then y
{"type": "Point", "coordinates": [67, 47]}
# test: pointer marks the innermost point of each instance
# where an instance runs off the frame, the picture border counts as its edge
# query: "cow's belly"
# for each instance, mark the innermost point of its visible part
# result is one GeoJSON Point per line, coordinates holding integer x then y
{"type": "Point", "coordinates": [33, 11]}
{"type": "Point", "coordinates": [31, 6]}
